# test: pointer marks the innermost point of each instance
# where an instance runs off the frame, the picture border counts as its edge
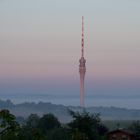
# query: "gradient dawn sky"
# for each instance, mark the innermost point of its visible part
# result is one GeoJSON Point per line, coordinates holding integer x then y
{"type": "Point", "coordinates": [40, 44]}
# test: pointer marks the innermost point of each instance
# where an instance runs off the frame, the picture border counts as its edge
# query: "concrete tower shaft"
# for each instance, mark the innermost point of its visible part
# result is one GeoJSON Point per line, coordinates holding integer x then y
{"type": "Point", "coordinates": [82, 67]}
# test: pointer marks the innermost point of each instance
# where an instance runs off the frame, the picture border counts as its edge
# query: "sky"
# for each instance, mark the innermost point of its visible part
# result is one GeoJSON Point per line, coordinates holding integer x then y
{"type": "Point", "coordinates": [40, 42]}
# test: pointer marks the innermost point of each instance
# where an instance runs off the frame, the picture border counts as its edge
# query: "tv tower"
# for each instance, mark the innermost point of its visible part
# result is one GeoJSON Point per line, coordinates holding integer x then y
{"type": "Point", "coordinates": [82, 67]}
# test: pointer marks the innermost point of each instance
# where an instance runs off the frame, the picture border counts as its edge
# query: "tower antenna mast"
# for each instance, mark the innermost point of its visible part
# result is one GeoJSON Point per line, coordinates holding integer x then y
{"type": "Point", "coordinates": [82, 36]}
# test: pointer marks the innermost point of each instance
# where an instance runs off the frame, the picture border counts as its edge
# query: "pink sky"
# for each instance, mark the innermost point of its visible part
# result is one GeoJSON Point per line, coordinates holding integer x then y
{"type": "Point", "coordinates": [42, 39]}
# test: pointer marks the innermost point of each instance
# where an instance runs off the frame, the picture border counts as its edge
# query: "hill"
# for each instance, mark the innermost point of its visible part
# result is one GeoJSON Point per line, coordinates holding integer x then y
{"type": "Point", "coordinates": [61, 111]}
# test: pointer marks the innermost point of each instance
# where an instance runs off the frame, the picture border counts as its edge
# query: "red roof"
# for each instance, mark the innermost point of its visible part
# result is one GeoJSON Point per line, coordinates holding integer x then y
{"type": "Point", "coordinates": [122, 131]}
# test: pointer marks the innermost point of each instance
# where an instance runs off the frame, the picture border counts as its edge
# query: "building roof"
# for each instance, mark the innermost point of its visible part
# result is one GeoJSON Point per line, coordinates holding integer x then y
{"type": "Point", "coordinates": [122, 131]}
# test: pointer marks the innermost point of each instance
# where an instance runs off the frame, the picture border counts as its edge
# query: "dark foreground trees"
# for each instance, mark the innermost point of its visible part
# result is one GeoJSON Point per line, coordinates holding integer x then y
{"type": "Point", "coordinates": [135, 128]}
{"type": "Point", "coordinates": [87, 126]}
{"type": "Point", "coordinates": [84, 126]}
{"type": "Point", "coordinates": [9, 128]}
{"type": "Point", "coordinates": [46, 127]}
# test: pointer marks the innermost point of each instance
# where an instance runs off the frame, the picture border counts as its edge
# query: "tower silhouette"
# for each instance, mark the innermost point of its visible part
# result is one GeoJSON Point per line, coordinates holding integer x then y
{"type": "Point", "coordinates": [82, 67]}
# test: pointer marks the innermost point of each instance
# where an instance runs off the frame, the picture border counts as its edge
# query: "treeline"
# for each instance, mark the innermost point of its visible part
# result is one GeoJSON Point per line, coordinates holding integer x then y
{"type": "Point", "coordinates": [84, 126]}
{"type": "Point", "coordinates": [60, 111]}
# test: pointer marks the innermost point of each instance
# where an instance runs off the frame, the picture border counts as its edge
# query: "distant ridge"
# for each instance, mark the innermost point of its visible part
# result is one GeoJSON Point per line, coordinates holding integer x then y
{"type": "Point", "coordinates": [61, 111]}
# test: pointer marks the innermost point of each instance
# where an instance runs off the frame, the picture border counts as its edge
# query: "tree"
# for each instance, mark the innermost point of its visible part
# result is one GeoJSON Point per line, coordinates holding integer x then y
{"type": "Point", "coordinates": [59, 134]}
{"type": "Point", "coordinates": [48, 122]}
{"type": "Point", "coordinates": [102, 129]}
{"type": "Point", "coordinates": [77, 135]}
{"type": "Point", "coordinates": [86, 126]}
{"type": "Point", "coordinates": [135, 128]}
{"type": "Point", "coordinates": [8, 125]}
{"type": "Point", "coordinates": [30, 130]}
{"type": "Point", "coordinates": [32, 121]}
{"type": "Point", "coordinates": [44, 128]}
